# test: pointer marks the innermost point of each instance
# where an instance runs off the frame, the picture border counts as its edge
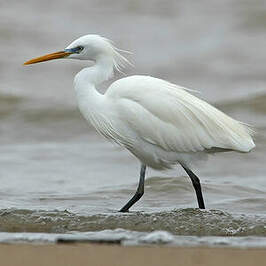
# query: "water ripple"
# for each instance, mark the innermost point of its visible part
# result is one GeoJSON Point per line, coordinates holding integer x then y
{"type": "Point", "coordinates": [193, 222]}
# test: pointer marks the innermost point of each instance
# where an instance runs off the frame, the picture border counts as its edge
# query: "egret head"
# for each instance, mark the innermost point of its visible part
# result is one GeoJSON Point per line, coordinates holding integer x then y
{"type": "Point", "coordinates": [88, 47]}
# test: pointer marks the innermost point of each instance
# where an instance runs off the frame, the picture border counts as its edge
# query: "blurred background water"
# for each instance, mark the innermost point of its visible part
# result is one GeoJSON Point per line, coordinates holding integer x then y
{"type": "Point", "coordinates": [55, 170]}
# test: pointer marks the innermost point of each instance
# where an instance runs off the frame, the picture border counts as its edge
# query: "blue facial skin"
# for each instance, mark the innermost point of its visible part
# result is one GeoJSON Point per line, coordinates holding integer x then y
{"type": "Point", "coordinates": [75, 50]}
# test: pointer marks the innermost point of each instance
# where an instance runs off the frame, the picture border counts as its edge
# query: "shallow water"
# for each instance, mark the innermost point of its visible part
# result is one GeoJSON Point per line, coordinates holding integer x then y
{"type": "Point", "coordinates": [58, 176]}
{"type": "Point", "coordinates": [179, 222]}
{"type": "Point", "coordinates": [130, 238]}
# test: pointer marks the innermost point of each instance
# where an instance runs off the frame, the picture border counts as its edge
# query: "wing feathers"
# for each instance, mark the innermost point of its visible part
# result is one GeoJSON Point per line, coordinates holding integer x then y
{"type": "Point", "coordinates": [170, 117]}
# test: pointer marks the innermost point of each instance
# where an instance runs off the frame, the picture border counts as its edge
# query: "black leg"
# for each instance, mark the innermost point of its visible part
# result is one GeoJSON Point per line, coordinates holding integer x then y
{"type": "Point", "coordinates": [196, 184]}
{"type": "Point", "coordinates": [140, 190]}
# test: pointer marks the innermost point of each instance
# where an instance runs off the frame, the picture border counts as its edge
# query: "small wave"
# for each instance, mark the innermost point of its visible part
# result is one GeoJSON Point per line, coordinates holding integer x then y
{"type": "Point", "coordinates": [255, 103]}
{"type": "Point", "coordinates": [9, 104]}
{"type": "Point", "coordinates": [133, 238]}
{"type": "Point", "coordinates": [193, 222]}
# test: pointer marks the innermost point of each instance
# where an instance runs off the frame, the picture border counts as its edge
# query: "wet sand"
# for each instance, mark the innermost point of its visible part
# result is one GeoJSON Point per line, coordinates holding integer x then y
{"type": "Point", "coordinates": [91, 254]}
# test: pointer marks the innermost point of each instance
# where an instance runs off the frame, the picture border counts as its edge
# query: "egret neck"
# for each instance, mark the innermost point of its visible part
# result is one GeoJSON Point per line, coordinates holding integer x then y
{"type": "Point", "coordinates": [90, 101]}
{"type": "Point", "coordinates": [101, 71]}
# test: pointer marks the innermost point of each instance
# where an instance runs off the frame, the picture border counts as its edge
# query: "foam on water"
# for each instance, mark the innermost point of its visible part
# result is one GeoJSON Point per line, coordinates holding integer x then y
{"type": "Point", "coordinates": [179, 222]}
{"type": "Point", "coordinates": [132, 238]}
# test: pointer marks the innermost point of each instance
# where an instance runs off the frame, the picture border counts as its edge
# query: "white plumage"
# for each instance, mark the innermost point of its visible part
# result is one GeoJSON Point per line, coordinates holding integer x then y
{"type": "Point", "coordinates": [159, 122]}
{"type": "Point", "coordinates": [162, 124]}
{"type": "Point", "coordinates": [167, 118]}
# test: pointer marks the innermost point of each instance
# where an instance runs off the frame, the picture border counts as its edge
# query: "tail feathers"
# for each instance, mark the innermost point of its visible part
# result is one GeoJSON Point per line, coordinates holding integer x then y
{"type": "Point", "coordinates": [242, 138]}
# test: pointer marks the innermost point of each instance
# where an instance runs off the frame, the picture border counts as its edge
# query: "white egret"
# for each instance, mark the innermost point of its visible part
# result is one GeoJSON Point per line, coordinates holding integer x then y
{"type": "Point", "coordinates": [161, 123]}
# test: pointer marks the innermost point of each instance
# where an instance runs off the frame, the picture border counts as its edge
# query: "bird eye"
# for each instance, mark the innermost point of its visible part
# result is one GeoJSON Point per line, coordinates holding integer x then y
{"type": "Point", "coordinates": [78, 49]}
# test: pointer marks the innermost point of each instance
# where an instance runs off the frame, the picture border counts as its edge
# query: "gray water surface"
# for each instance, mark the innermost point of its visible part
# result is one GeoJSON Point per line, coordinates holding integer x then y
{"type": "Point", "coordinates": [57, 175]}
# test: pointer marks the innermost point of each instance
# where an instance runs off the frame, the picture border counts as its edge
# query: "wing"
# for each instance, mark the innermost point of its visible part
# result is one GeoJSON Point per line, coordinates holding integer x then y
{"type": "Point", "coordinates": [169, 116]}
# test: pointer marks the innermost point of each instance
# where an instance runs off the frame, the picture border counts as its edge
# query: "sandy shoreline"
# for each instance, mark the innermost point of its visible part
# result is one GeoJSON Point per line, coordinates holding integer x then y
{"type": "Point", "coordinates": [97, 255]}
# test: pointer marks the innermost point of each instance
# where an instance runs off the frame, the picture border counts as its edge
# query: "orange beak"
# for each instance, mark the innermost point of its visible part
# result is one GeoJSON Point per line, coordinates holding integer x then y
{"type": "Point", "coordinates": [48, 57]}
